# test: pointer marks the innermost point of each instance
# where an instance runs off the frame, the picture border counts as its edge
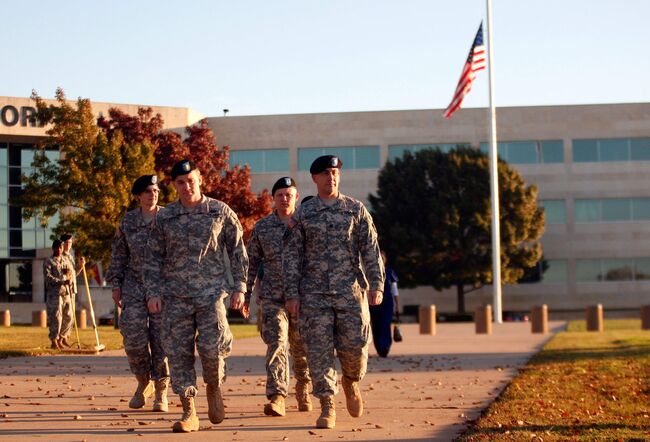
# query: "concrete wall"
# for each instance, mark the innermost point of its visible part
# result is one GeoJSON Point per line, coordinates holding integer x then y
{"type": "Point", "coordinates": [174, 117]}
{"type": "Point", "coordinates": [566, 181]}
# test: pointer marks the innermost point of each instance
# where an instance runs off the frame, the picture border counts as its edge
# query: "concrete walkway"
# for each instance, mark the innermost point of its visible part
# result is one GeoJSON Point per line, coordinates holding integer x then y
{"type": "Point", "coordinates": [425, 390]}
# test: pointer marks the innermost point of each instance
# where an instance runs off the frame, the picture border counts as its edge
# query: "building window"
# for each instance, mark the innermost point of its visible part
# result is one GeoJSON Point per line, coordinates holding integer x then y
{"type": "Point", "coordinates": [33, 234]}
{"type": "Point", "coordinates": [556, 271]}
{"type": "Point", "coordinates": [613, 269]}
{"type": "Point", "coordinates": [529, 152]}
{"type": "Point", "coordinates": [554, 211]}
{"type": "Point", "coordinates": [353, 157]}
{"type": "Point", "coordinates": [261, 160]}
{"type": "Point", "coordinates": [612, 210]}
{"type": "Point", "coordinates": [398, 150]}
{"type": "Point", "coordinates": [18, 281]}
{"type": "Point", "coordinates": [615, 149]}
{"type": "Point", "coordinates": [546, 270]}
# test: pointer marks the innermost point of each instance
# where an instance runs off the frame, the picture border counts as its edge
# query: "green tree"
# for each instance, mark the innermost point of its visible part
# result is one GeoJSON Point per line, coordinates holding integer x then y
{"type": "Point", "coordinates": [433, 215]}
{"type": "Point", "coordinates": [89, 186]}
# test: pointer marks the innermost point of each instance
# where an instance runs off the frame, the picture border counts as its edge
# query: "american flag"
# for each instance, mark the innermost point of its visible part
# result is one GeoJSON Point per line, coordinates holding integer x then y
{"type": "Point", "coordinates": [475, 62]}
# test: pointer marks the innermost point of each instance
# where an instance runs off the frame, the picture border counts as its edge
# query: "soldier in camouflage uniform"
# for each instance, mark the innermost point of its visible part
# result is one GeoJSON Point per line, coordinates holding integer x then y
{"type": "Point", "coordinates": [332, 242]}
{"type": "Point", "coordinates": [58, 281]}
{"type": "Point", "coordinates": [66, 238]}
{"type": "Point", "coordinates": [186, 275]}
{"type": "Point", "coordinates": [279, 329]}
{"type": "Point", "coordinates": [141, 329]}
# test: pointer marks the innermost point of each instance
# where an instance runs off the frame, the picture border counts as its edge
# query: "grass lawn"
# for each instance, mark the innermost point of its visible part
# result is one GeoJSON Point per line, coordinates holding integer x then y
{"type": "Point", "coordinates": [582, 386]}
{"type": "Point", "coordinates": [24, 340]}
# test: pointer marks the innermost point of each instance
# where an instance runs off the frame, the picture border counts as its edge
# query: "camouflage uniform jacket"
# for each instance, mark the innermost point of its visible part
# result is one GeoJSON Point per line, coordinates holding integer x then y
{"type": "Point", "coordinates": [128, 253]}
{"type": "Point", "coordinates": [68, 256]}
{"type": "Point", "coordinates": [54, 269]}
{"type": "Point", "coordinates": [185, 253]}
{"type": "Point", "coordinates": [265, 245]}
{"type": "Point", "coordinates": [329, 247]}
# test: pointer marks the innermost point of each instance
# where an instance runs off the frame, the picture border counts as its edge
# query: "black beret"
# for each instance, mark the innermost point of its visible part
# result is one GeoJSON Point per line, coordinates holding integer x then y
{"type": "Point", "coordinates": [56, 244]}
{"type": "Point", "coordinates": [325, 162]}
{"type": "Point", "coordinates": [65, 237]}
{"type": "Point", "coordinates": [283, 183]}
{"type": "Point", "coordinates": [141, 184]}
{"type": "Point", "coordinates": [307, 198]}
{"type": "Point", "coordinates": [183, 167]}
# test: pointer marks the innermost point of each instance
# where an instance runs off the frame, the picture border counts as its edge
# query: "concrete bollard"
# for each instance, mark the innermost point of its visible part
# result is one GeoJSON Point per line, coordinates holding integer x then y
{"type": "Point", "coordinates": [594, 315]}
{"type": "Point", "coordinates": [5, 318]}
{"type": "Point", "coordinates": [82, 322]}
{"type": "Point", "coordinates": [427, 319]}
{"type": "Point", "coordinates": [39, 318]}
{"type": "Point", "coordinates": [645, 317]}
{"type": "Point", "coordinates": [539, 319]}
{"type": "Point", "coordinates": [483, 320]}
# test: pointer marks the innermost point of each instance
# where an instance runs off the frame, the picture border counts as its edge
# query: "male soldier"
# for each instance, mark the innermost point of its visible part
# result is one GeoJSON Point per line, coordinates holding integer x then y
{"type": "Point", "coordinates": [278, 327]}
{"type": "Point", "coordinates": [332, 242]}
{"type": "Point", "coordinates": [66, 238]}
{"type": "Point", "coordinates": [185, 275]}
{"type": "Point", "coordinates": [58, 282]}
{"type": "Point", "coordinates": [141, 330]}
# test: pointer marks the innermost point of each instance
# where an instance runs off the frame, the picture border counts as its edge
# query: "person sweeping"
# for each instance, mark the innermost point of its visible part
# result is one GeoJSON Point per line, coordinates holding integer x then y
{"type": "Point", "coordinates": [58, 277]}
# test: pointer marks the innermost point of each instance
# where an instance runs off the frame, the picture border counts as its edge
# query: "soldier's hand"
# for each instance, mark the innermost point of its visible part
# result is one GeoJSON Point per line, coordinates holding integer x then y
{"type": "Point", "coordinates": [237, 300]}
{"type": "Point", "coordinates": [375, 297]}
{"type": "Point", "coordinates": [245, 310]}
{"type": "Point", "coordinates": [155, 305]}
{"type": "Point", "coordinates": [117, 296]}
{"type": "Point", "coordinates": [292, 306]}
{"type": "Point", "coordinates": [82, 261]}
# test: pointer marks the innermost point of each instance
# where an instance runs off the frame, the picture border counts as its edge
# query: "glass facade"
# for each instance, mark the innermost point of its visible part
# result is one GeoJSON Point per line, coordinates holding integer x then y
{"type": "Point", "coordinates": [261, 160]}
{"type": "Point", "coordinates": [554, 211]}
{"type": "Point", "coordinates": [612, 269]}
{"type": "Point", "coordinates": [611, 210]}
{"type": "Point", "coordinates": [556, 271]}
{"type": "Point", "coordinates": [397, 150]}
{"type": "Point", "coordinates": [353, 157]}
{"type": "Point", "coordinates": [615, 149]}
{"type": "Point", "coordinates": [529, 152]}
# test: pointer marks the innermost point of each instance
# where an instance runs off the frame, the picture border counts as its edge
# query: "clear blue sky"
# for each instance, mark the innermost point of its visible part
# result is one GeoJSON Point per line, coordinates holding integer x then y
{"type": "Point", "coordinates": [276, 57]}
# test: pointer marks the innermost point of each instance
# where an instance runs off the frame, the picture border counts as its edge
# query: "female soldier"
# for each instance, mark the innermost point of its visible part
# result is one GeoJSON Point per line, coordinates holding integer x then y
{"type": "Point", "coordinates": [140, 328]}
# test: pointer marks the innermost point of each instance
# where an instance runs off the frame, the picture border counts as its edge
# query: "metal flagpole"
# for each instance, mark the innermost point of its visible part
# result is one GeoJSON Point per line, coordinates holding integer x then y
{"type": "Point", "coordinates": [494, 179]}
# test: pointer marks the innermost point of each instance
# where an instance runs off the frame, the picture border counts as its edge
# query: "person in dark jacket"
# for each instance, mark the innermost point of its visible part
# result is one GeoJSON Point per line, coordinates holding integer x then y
{"type": "Point", "coordinates": [381, 315]}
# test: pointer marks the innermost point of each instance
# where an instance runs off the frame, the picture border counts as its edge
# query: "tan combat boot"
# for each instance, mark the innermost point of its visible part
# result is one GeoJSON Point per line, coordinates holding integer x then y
{"type": "Point", "coordinates": [143, 392]}
{"type": "Point", "coordinates": [303, 397]}
{"type": "Point", "coordinates": [275, 407]}
{"type": "Point", "coordinates": [160, 400]}
{"type": "Point", "coordinates": [189, 421]}
{"type": "Point", "coordinates": [216, 411]}
{"type": "Point", "coordinates": [352, 397]}
{"type": "Point", "coordinates": [327, 418]}
{"type": "Point", "coordinates": [55, 345]}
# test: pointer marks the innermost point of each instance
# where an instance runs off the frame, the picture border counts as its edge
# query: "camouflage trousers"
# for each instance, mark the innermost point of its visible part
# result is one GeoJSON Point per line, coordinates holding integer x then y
{"type": "Point", "coordinates": [338, 322]}
{"type": "Point", "coordinates": [59, 314]}
{"type": "Point", "coordinates": [200, 323]}
{"type": "Point", "coordinates": [143, 340]}
{"type": "Point", "coordinates": [282, 338]}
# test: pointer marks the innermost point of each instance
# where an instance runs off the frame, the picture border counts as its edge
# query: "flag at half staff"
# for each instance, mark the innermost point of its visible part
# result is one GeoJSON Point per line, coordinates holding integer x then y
{"type": "Point", "coordinates": [475, 62]}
